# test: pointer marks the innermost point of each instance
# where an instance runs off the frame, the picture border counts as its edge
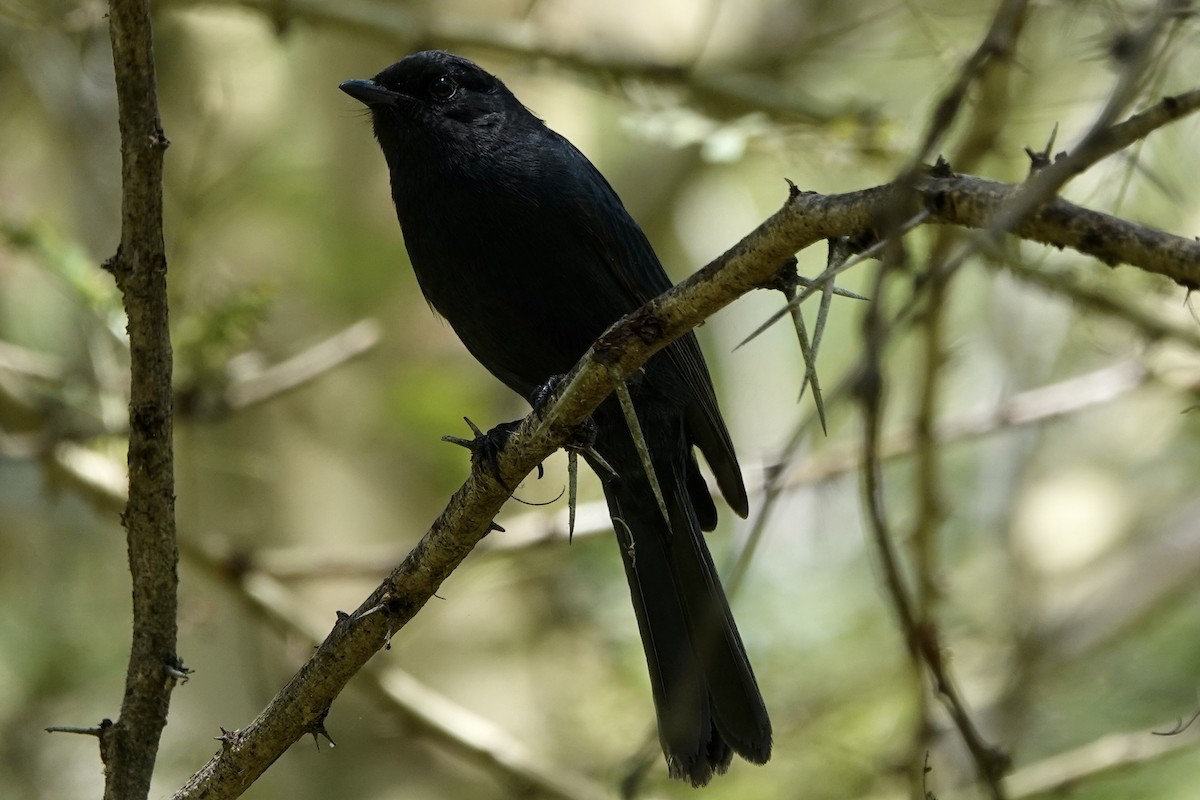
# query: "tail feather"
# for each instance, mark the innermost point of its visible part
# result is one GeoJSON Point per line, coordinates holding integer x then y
{"type": "Point", "coordinates": [698, 494]}
{"type": "Point", "coordinates": [707, 700]}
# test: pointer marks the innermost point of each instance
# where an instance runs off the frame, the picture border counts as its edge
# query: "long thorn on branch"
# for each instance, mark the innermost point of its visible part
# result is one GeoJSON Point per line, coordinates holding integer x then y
{"type": "Point", "coordinates": [787, 284]}
{"type": "Point", "coordinates": [831, 272]}
{"type": "Point", "coordinates": [621, 390]}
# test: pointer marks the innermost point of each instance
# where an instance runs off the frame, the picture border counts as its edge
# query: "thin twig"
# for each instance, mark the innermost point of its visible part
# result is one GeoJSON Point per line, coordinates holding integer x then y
{"type": "Point", "coordinates": [1074, 287]}
{"type": "Point", "coordinates": [1101, 758]}
{"type": "Point", "coordinates": [304, 367]}
{"type": "Point", "coordinates": [998, 44]}
{"type": "Point", "coordinates": [97, 731]}
{"type": "Point", "coordinates": [988, 69]}
{"type": "Point", "coordinates": [927, 486]}
{"type": "Point", "coordinates": [922, 641]}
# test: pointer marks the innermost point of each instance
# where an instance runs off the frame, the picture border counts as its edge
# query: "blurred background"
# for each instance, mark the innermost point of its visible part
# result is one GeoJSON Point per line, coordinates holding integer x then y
{"type": "Point", "coordinates": [1059, 564]}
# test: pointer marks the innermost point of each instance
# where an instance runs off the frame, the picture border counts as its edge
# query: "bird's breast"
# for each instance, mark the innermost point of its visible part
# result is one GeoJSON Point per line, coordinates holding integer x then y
{"type": "Point", "coordinates": [526, 295]}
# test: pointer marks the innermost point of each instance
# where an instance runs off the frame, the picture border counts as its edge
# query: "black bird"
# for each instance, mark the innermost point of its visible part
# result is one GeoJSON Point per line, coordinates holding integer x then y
{"type": "Point", "coordinates": [522, 245]}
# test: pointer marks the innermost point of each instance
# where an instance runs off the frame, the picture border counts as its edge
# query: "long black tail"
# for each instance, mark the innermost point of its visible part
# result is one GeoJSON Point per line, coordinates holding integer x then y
{"type": "Point", "coordinates": [708, 703]}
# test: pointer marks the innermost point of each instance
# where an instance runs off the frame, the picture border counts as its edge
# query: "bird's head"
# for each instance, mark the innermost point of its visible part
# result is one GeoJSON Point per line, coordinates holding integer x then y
{"type": "Point", "coordinates": [436, 102]}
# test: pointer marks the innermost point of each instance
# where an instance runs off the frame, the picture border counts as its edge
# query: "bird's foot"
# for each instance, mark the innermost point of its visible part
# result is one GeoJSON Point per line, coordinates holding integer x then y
{"type": "Point", "coordinates": [542, 395]}
{"type": "Point", "coordinates": [583, 438]}
{"type": "Point", "coordinates": [486, 447]}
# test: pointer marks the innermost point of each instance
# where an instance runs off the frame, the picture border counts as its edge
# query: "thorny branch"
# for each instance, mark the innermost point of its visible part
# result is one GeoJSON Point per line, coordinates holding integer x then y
{"type": "Point", "coordinates": [129, 747]}
{"type": "Point", "coordinates": [1012, 214]}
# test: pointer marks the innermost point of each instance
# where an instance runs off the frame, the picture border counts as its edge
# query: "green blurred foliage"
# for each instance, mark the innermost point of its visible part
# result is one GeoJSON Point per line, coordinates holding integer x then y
{"type": "Point", "coordinates": [1067, 553]}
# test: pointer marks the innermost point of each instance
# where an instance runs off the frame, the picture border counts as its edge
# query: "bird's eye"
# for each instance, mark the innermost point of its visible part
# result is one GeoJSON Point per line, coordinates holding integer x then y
{"type": "Point", "coordinates": [442, 88]}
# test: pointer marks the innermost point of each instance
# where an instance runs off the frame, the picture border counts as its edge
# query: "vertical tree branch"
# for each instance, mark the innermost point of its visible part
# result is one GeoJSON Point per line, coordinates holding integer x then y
{"type": "Point", "coordinates": [129, 747]}
{"type": "Point", "coordinates": [989, 77]}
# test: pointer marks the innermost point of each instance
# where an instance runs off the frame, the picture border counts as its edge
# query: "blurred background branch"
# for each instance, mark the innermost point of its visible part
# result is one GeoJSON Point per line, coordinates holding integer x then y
{"type": "Point", "coordinates": [725, 93]}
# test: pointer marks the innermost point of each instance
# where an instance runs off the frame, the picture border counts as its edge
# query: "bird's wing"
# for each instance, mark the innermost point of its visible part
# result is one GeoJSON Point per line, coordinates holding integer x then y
{"type": "Point", "coordinates": [625, 252]}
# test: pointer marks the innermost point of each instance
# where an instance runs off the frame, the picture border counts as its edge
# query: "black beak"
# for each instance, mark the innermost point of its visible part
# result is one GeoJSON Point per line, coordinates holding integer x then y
{"type": "Point", "coordinates": [370, 93]}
